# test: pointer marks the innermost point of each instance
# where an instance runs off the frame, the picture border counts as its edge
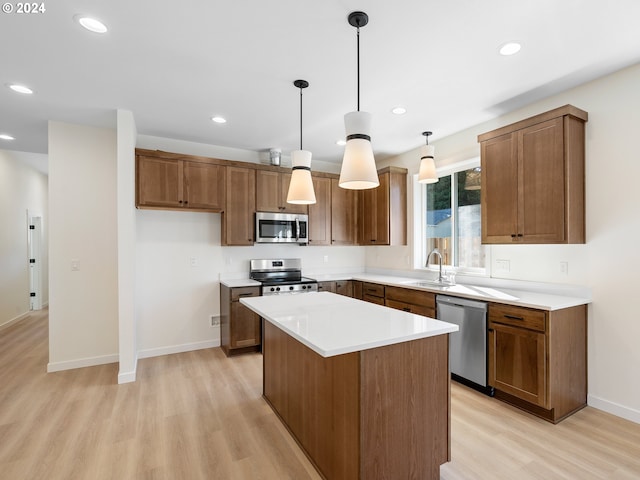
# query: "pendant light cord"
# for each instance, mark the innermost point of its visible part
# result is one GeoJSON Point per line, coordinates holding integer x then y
{"type": "Point", "coordinates": [358, 63]}
{"type": "Point", "coordinates": [301, 119]}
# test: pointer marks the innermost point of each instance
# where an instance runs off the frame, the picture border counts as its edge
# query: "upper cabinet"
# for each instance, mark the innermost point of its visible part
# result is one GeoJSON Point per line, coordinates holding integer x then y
{"type": "Point", "coordinates": [320, 212]}
{"type": "Point", "coordinates": [382, 218]}
{"type": "Point", "coordinates": [533, 179]}
{"type": "Point", "coordinates": [271, 193]}
{"type": "Point", "coordinates": [344, 214]}
{"type": "Point", "coordinates": [173, 183]}
{"type": "Point", "coordinates": [238, 216]}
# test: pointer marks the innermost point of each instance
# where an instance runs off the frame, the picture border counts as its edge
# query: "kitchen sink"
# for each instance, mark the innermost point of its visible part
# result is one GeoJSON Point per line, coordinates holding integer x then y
{"type": "Point", "coordinates": [430, 283]}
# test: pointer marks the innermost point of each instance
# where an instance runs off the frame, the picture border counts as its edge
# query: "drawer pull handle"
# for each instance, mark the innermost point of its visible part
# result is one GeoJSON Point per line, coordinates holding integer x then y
{"type": "Point", "coordinates": [406, 309]}
{"type": "Point", "coordinates": [245, 295]}
{"type": "Point", "coordinates": [514, 317]}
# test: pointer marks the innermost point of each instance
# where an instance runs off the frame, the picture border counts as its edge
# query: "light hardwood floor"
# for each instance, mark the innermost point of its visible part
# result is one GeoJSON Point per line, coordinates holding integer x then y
{"type": "Point", "coordinates": [200, 415]}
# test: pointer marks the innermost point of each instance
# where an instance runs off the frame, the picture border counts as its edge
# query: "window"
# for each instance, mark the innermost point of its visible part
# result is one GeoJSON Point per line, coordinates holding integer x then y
{"type": "Point", "coordinates": [451, 213]}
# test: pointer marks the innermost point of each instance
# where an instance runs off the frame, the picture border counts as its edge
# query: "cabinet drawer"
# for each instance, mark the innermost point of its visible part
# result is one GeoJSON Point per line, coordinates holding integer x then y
{"type": "Point", "coordinates": [239, 292]}
{"type": "Point", "coordinates": [518, 317]}
{"type": "Point", "coordinates": [373, 289]}
{"type": "Point", "coordinates": [373, 299]}
{"type": "Point", "coordinates": [411, 308]}
{"type": "Point", "coordinates": [415, 297]}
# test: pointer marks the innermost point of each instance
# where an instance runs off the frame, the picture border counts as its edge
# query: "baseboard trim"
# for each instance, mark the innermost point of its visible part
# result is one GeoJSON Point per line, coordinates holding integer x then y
{"type": "Point", "coordinates": [14, 320]}
{"type": "Point", "coordinates": [127, 377]}
{"type": "Point", "coordinates": [614, 408]}
{"type": "Point", "coordinates": [81, 363]}
{"type": "Point", "coordinates": [185, 347]}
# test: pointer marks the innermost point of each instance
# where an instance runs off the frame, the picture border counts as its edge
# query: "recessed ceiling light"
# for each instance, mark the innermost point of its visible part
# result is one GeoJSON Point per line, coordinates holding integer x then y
{"type": "Point", "coordinates": [218, 119]}
{"type": "Point", "coordinates": [510, 48]}
{"type": "Point", "coordinates": [20, 89]}
{"type": "Point", "coordinates": [91, 24]}
{"type": "Point", "coordinates": [399, 110]}
{"type": "Point", "coordinates": [341, 142]}
{"type": "Point", "coordinates": [4, 136]}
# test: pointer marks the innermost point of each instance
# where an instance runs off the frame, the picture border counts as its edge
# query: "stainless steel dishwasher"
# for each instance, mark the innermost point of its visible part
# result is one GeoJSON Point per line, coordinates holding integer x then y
{"type": "Point", "coordinates": [467, 346]}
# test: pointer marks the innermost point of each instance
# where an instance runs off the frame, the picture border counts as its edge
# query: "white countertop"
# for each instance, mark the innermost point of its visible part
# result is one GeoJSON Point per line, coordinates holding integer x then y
{"type": "Point", "coordinates": [331, 324]}
{"type": "Point", "coordinates": [522, 298]}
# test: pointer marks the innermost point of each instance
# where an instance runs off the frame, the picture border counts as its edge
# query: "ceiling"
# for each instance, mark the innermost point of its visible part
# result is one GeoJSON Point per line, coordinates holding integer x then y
{"type": "Point", "coordinates": [176, 64]}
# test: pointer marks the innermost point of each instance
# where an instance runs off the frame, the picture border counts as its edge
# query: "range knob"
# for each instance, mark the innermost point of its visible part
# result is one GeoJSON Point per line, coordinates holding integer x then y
{"type": "Point", "coordinates": [277, 289]}
{"type": "Point", "coordinates": [273, 289]}
{"type": "Point", "coordinates": [291, 288]}
{"type": "Point", "coordinates": [304, 287]}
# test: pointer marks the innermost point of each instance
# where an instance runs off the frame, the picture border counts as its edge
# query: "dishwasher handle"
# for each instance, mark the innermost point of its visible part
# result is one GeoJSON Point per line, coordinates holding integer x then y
{"type": "Point", "coordinates": [460, 302]}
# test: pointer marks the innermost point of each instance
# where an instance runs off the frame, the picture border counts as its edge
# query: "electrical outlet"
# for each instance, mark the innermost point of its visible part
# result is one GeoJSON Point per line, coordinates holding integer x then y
{"type": "Point", "coordinates": [503, 265]}
{"type": "Point", "coordinates": [193, 261]}
{"type": "Point", "coordinates": [214, 320]}
{"type": "Point", "coordinates": [75, 264]}
{"type": "Point", "coordinates": [325, 259]}
{"type": "Point", "coordinates": [564, 268]}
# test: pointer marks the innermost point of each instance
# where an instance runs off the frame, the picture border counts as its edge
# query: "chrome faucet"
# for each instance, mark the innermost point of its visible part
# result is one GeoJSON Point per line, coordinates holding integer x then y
{"type": "Point", "coordinates": [437, 252]}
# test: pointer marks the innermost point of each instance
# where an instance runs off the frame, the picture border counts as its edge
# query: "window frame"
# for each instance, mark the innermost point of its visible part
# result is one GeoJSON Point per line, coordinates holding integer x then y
{"type": "Point", "coordinates": [420, 223]}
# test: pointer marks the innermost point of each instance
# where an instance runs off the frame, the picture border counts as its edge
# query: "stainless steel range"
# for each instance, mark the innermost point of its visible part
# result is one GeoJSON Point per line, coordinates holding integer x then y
{"type": "Point", "coordinates": [283, 275]}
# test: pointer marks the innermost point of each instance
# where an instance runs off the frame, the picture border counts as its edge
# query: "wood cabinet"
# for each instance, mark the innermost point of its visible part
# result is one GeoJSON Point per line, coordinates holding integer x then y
{"type": "Point", "coordinates": [344, 213]}
{"type": "Point", "coordinates": [238, 215]}
{"type": "Point", "coordinates": [362, 415]}
{"type": "Point", "coordinates": [344, 287]}
{"type": "Point", "coordinates": [409, 300]}
{"type": "Point", "coordinates": [327, 287]}
{"type": "Point", "coordinates": [320, 212]}
{"type": "Point", "coordinates": [240, 328]}
{"type": "Point", "coordinates": [538, 359]}
{"type": "Point", "coordinates": [271, 193]}
{"type": "Point", "coordinates": [373, 292]}
{"type": "Point", "coordinates": [171, 183]}
{"type": "Point", "coordinates": [533, 179]}
{"type": "Point", "coordinates": [382, 218]}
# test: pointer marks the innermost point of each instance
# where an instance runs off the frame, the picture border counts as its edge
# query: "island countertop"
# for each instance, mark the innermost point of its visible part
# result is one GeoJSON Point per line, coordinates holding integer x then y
{"type": "Point", "coordinates": [331, 324]}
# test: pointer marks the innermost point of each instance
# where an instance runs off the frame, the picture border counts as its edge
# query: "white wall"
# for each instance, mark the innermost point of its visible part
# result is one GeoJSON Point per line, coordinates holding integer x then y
{"type": "Point", "coordinates": [22, 189]}
{"type": "Point", "coordinates": [83, 316]}
{"type": "Point", "coordinates": [609, 261]}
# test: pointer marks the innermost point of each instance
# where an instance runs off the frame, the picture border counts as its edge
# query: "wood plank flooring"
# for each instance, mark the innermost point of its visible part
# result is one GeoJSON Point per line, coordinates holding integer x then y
{"type": "Point", "coordinates": [200, 415]}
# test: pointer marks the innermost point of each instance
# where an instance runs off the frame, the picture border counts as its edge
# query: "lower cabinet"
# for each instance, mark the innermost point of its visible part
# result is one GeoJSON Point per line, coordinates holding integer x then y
{"type": "Point", "coordinates": [344, 287]}
{"type": "Point", "coordinates": [240, 328]}
{"type": "Point", "coordinates": [373, 292]}
{"type": "Point", "coordinates": [537, 359]}
{"type": "Point", "coordinates": [413, 301]}
{"type": "Point", "coordinates": [327, 287]}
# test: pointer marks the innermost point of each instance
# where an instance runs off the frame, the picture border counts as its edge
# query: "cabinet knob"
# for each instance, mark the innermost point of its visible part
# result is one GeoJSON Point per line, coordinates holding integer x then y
{"type": "Point", "coordinates": [179, 201]}
{"type": "Point", "coordinates": [513, 235]}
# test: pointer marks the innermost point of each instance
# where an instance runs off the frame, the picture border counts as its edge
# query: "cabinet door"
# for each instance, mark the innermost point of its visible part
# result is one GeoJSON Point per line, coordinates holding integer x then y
{"type": "Point", "coordinates": [344, 287]}
{"type": "Point", "coordinates": [238, 216]}
{"type": "Point", "coordinates": [374, 217]}
{"type": "Point", "coordinates": [517, 363]}
{"type": "Point", "coordinates": [245, 327]}
{"type": "Point", "coordinates": [541, 216]}
{"type": "Point", "coordinates": [268, 191]}
{"type": "Point", "coordinates": [320, 213]}
{"type": "Point", "coordinates": [159, 182]}
{"type": "Point", "coordinates": [327, 287]}
{"type": "Point", "coordinates": [343, 215]}
{"type": "Point", "coordinates": [499, 196]}
{"type": "Point", "coordinates": [204, 186]}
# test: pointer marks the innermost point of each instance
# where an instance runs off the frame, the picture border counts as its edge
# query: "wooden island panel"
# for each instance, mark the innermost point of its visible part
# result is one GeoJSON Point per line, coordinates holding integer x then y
{"type": "Point", "coordinates": [377, 413]}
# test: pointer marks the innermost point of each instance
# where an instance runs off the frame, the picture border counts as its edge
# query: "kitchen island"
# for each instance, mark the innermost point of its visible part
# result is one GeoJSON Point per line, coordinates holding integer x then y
{"type": "Point", "coordinates": [363, 388]}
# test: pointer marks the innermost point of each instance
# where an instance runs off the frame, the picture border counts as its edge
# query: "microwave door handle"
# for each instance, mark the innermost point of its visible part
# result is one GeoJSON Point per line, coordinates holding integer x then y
{"type": "Point", "coordinates": [297, 229]}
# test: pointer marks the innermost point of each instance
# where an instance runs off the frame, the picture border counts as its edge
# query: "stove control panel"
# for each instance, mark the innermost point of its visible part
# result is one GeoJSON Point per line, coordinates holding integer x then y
{"type": "Point", "coordinates": [295, 288]}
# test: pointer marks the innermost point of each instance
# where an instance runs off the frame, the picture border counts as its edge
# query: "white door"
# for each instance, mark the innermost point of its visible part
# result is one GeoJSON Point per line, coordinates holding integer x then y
{"type": "Point", "coordinates": [35, 261]}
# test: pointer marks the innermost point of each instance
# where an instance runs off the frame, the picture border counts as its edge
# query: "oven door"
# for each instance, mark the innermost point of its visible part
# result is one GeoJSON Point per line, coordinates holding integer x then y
{"type": "Point", "coordinates": [281, 228]}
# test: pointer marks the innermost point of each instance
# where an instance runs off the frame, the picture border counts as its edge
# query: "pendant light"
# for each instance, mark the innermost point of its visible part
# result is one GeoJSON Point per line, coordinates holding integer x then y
{"type": "Point", "coordinates": [301, 186]}
{"type": "Point", "coordinates": [427, 172]}
{"type": "Point", "coordinates": [358, 170]}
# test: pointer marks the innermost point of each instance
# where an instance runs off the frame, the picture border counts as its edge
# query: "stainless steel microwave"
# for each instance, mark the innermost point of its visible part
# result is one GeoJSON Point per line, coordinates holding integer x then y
{"type": "Point", "coordinates": [282, 228]}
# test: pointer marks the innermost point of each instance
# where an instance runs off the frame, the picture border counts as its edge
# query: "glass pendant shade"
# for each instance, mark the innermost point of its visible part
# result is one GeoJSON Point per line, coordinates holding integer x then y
{"type": "Point", "coordinates": [358, 165]}
{"type": "Point", "coordinates": [427, 173]}
{"type": "Point", "coordinates": [301, 186]}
